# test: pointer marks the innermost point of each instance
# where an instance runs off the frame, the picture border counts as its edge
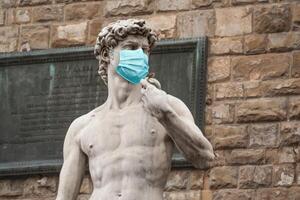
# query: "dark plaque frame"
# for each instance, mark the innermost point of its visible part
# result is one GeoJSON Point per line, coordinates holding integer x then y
{"type": "Point", "coordinates": [197, 47]}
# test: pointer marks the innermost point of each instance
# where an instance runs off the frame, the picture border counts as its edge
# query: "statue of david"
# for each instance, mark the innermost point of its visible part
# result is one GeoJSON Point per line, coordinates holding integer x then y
{"type": "Point", "coordinates": [128, 140]}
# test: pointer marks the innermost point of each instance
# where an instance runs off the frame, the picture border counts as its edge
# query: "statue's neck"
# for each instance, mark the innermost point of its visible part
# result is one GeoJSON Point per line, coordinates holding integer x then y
{"type": "Point", "coordinates": [121, 93]}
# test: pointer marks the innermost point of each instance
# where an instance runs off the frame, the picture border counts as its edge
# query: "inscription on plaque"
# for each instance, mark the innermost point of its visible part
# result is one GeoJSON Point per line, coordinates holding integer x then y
{"type": "Point", "coordinates": [42, 92]}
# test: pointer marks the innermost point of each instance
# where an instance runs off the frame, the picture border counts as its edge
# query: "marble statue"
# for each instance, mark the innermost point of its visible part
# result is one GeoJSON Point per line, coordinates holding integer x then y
{"type": "Point", "coordinates": [128, 140]}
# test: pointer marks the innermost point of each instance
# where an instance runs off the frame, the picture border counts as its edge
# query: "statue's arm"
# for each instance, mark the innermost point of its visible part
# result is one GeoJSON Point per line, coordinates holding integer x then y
{"type": "Point", "coordinates": [188, 138]}
{"type": "Point", "coordinates": [73, 168]}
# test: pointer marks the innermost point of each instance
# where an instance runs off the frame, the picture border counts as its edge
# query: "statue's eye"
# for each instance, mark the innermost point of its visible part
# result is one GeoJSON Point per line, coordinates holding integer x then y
{"type": "Point", "coordinates": [131, 47]}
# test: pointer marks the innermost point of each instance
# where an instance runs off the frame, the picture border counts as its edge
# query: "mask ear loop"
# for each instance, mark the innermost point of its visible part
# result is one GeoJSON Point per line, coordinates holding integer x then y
{"type": "Point", "coordinates": [151, 75]}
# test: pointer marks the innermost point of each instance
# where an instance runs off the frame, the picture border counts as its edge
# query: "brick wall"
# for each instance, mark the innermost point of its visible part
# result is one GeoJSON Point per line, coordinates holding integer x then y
{"type": "Point", "coordinates": [253, 100]}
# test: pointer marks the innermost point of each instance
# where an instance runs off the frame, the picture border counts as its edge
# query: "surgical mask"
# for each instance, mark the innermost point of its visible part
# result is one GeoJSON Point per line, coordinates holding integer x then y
{"type": "Point", "coordinates": [133, 65]}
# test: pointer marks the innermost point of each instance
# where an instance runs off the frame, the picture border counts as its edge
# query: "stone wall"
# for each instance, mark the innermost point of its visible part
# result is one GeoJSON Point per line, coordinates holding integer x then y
{"type": "Point", "coordinates": [253, 100]}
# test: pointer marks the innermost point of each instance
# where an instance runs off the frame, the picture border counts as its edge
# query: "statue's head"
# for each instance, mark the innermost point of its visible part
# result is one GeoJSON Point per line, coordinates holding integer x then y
{"type": "Point", "coordinates": [123, 34]}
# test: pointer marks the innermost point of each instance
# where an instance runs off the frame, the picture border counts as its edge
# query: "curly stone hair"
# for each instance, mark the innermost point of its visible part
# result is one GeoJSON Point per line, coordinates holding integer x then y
{"type": "Point", "coordinates": [111, 35]}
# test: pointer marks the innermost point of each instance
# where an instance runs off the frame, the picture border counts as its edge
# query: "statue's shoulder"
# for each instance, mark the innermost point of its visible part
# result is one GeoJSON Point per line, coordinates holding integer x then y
{"type": "Point", "coordinates": [85, 119]}
{"type": "Point", "coordinates": [80, 122]}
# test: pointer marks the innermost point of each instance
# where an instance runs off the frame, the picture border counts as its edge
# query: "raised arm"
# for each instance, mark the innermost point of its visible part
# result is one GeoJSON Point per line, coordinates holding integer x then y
{"type": "Point", "coordinates": [188, 138]}
{"type": "Point", "coordinates": [178, 121]}
{"type": "Point", "coordinates": [73, 167]}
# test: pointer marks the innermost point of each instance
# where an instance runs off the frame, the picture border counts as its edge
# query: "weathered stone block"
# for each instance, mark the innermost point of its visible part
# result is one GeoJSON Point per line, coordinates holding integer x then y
{"type": "Point", "coordinates": [9, 38]}
{"type": "Point", "coordinates": [261, 110]}
{"type": "Point", "coordinates": [47, 13]}
{"type": "Point", "coordinates": [294, 107]}
{"type": "Point", "coordinates": [220, 159]}
{"type": "Point", "coordinates": [294, 40]}
{"type": "Point", "coordinates": [289, 133]}
{"type": "Point", "coordinates": [245, 156]}
{"type": "Point", "coordinates": [223, 113]}
{"type": "Point", "coordinates": [67, 1]}
{"type": "Point", "coordinates": [230, 137]}
{"type": "Point", "coordinates": [272, 88]}
{"type": "Point", "coordinates": [233, 21]}
{"type": "Point", "coordinates": [125, 7]}
{"type": "Point", "coordinates": [283, 41]}
{"type": "Point", "coordinates": [260, 67]}
{"type": "Point", "coordinates": [36, 36]}
{"type": "Point", "coordinates": [9, 17]}
{"type": "Point", "coordinates": [233, 194]}
{"type": "Point", "coordinates": [33, 2]}
{"type": "Point", "coordinates": [4, 4]}
{"type": "Point", "coordinates": [82, 197]}
{"type": "Point", "coordinates": [94, 30]}
{"type": "Point", "coordinates": [218, 69]}
{"type": "Point", "coordinates": [177, 180]}
{"type": "Point", "coordinates": [283, 175]}
{"type": "Point", "coordinates": [164, 25]}
{"type": "Point", "coordinates": [296, 17]}
{"type": "Point", "coordinates": [209, 94]}
{"type": "Point", "coordinates": [229, 90]}
{"type": "Point", "coordinates": [196, 23]}
{"type": "Point", "coordinates": [227, 45]}
{"type": "Point", "coordinates": [242, 2]}
{"type": "Point", "coordinates": [296, 64]}
{"type": "Point", "coordinates": [272, 194]}
{"type": "Point", "coordinates": [83, 11]}
{"type": "Point", "coordinates": [23, 16]}
{"type": "Point", "coordinates": [2, 17]}
{"type": "Point", "coordinates": [201, 3]}
{"type": "Point", "coordinates": [296, 151]}
{"type": "Point", "coordinates": [271, 156]}
{"type": "Point", "coordinates": [256, 88]}
{"type": "Point", "coordinates": [298, 174]}
{"type": "Point", "coordinates": [86, 186]}
{"type": "Point", "coordinates": [263, 135]}
{"type": "Point", "coordinates": [40, 187]}
{"type": "Point", "coordinates": [69, 35]}
{"type": "Point", "coordinates": [184, 195]}
{"type": "Point", "coordinates": [206, 195]}
{"type": "Point", "coordinates": [195, 180]}
{"type": "Point", "coordinates": [208, 115]}
{"type": "Point", "coordinates": [278, 41]}
{"type": "Point", "coordinates": [255, 176]}
{"type": "Point", "coordinates": [272, 19]}
{"type": "Point", "coordinates": [223, 177]}
{"type": "Point", "coordinates": [167, 5]}
{"type": "Point", "coordinates": [256, 43]}
{"type": "Point", "coordinates": [294, 193]}
{"type": "Point", "coordinates": [10, 188]}
{"type": "Point", "coordinates": [286, 155]}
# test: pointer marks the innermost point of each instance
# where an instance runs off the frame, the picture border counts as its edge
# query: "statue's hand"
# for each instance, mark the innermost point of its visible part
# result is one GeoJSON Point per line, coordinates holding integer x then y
{"type": "Point", "coordinates": [155, 100]}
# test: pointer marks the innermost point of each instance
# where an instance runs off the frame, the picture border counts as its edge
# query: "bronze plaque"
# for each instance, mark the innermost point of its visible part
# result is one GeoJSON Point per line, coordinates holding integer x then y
{"type": "Point", "coordinates": [42, 92]}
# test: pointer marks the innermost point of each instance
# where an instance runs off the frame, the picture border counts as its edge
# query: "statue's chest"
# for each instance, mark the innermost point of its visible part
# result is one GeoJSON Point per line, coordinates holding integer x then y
{"type": "Point", "coordinates": [115, 131]}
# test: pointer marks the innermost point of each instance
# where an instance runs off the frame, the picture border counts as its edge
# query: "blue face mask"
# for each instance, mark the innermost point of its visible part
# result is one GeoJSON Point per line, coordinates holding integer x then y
{"type": "Point", "coordinates": [133, 65]}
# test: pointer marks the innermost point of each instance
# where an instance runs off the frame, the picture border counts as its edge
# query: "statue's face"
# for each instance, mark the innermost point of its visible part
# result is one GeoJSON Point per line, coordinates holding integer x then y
{"type": "Point", "coordinates": [131, 43]}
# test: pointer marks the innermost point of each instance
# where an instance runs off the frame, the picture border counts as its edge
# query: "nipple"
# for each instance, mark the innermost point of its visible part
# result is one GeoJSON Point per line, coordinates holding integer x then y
{"type": "Point", "coordinates": [153, 131]}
